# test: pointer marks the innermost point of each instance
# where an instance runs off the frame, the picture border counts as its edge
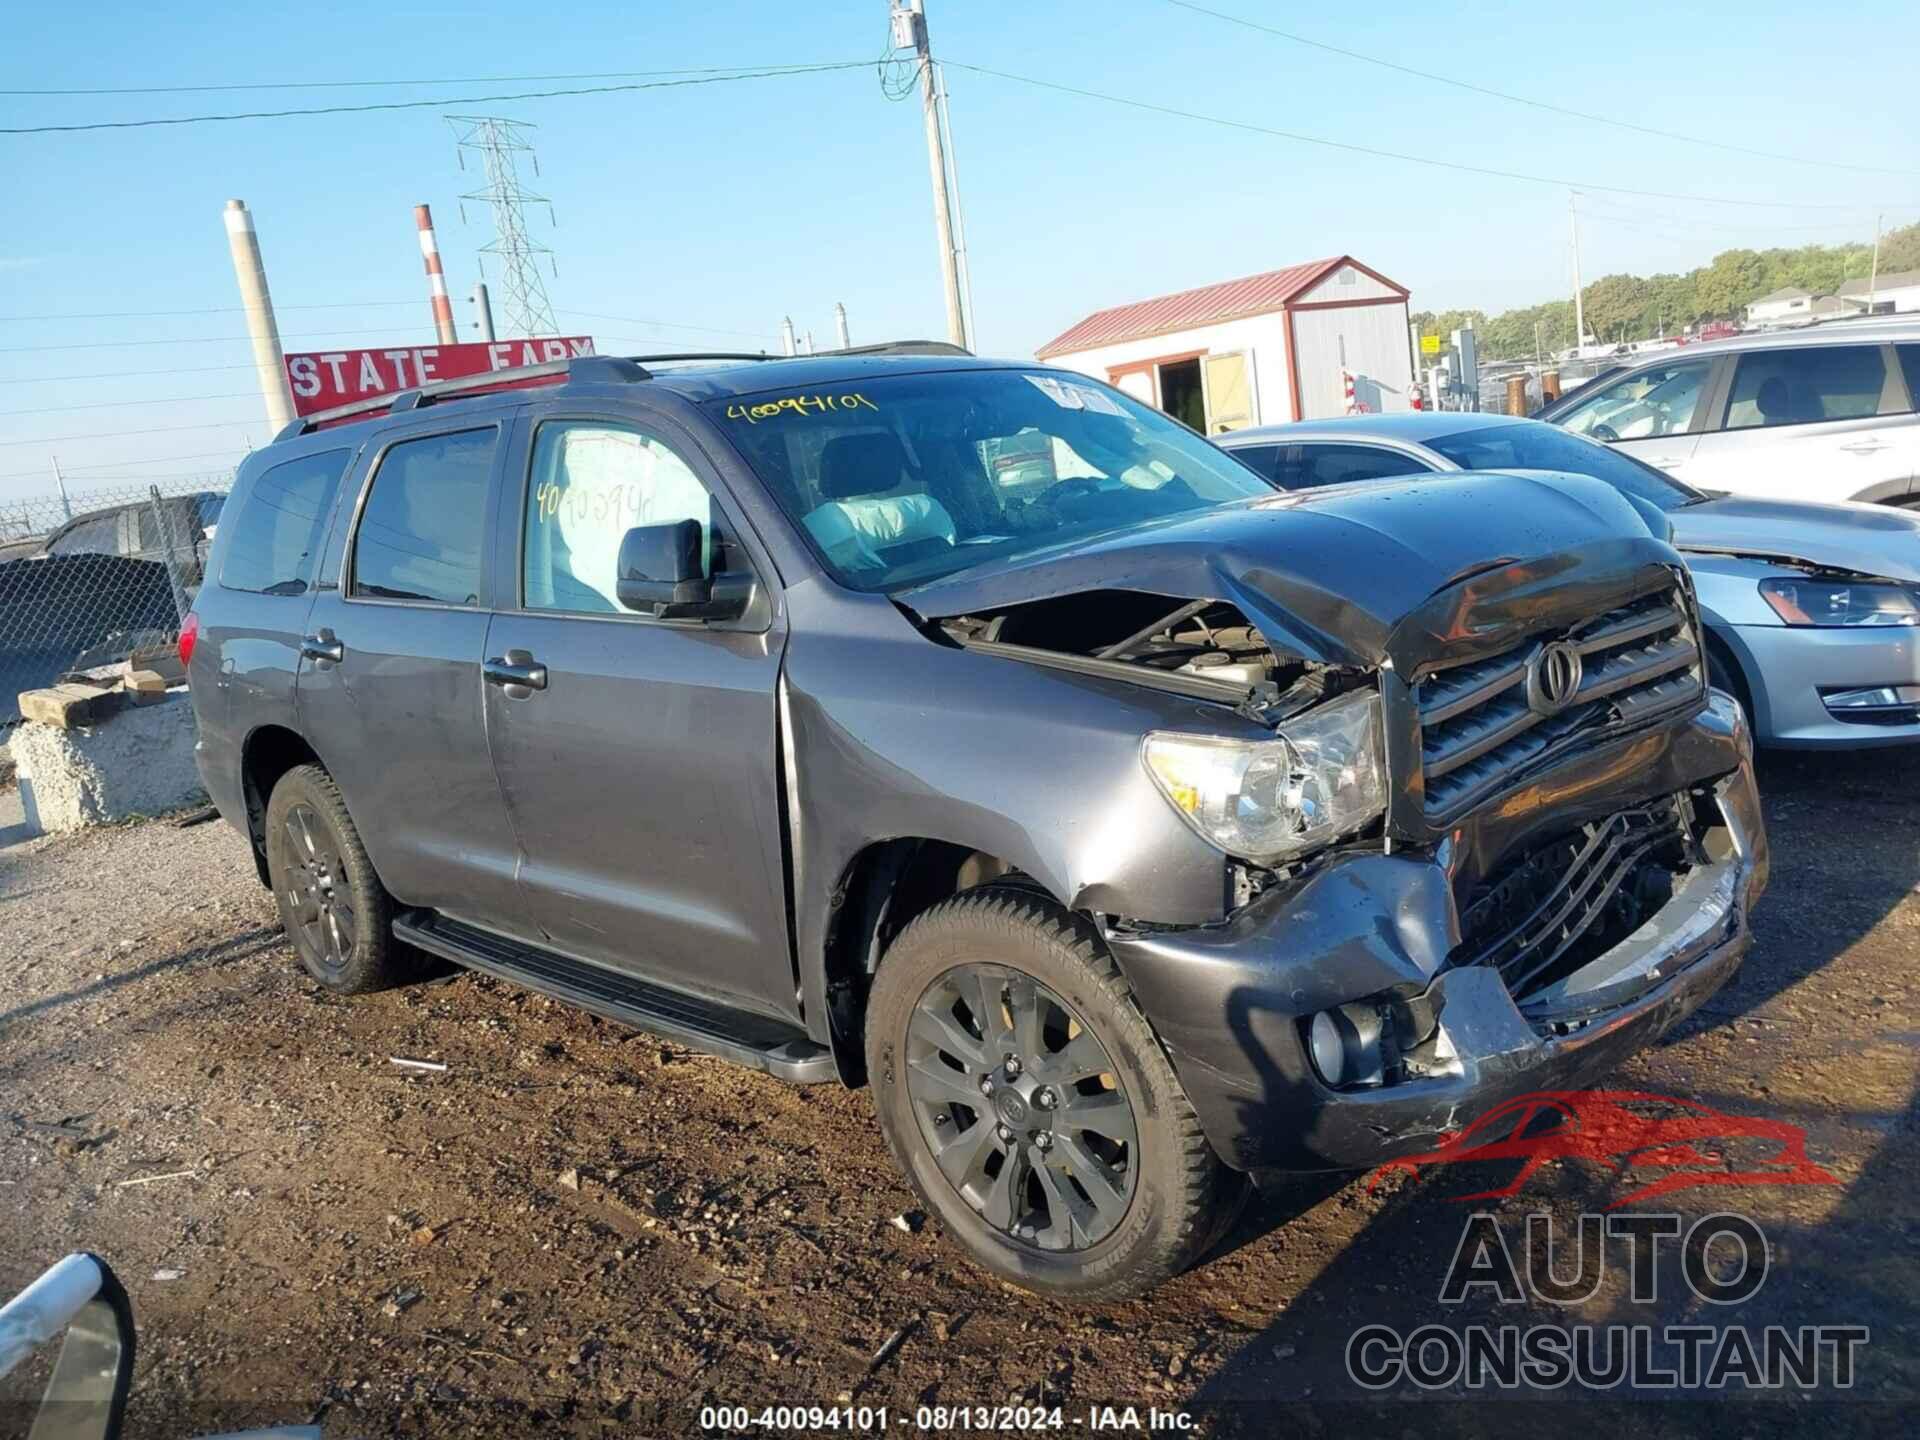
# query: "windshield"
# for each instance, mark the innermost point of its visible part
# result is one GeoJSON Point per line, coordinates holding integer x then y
{"type": "Point", "coordinates": [902, 479]}
{"type": "Point", "coordinates": [1533, 446]}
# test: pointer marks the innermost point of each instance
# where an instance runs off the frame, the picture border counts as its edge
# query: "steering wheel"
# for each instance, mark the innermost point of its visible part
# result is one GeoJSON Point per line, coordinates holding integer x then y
{"type": "Point", "coordinates": [1062, 489]}
{"type": "Point", "coordinates": [1603, 432]}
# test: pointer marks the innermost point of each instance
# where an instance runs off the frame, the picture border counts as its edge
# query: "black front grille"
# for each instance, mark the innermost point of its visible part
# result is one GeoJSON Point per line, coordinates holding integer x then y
{"type": "Point", "coordinates": [1568, 901]}
{"type": "Point", "coordinates": [1478, 726]}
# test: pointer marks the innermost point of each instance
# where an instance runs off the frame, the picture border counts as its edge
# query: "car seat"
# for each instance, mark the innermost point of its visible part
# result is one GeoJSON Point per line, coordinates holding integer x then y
{"type": "Point", "coordinates": [864, 523]}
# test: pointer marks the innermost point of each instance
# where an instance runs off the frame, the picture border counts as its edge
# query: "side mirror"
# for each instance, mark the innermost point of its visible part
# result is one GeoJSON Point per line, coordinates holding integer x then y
{"type": "Point", "coordinates": [661, 574]}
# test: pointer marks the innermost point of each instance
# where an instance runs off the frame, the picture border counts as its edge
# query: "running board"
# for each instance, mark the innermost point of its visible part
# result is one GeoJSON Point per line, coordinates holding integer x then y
{"type": "Point", "coordinates": [744, 1037]}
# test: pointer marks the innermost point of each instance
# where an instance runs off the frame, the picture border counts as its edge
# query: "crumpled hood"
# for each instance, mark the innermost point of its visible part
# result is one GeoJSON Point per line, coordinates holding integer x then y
{"type": "Point", "coordinates": [1868, 539]}
{"type": "Point", "coordinates": [1329, 575]}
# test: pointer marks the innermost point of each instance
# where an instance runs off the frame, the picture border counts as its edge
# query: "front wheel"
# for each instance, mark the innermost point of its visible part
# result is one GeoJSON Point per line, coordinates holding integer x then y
{"type": "Point", "coordinates": [1024, 1095]}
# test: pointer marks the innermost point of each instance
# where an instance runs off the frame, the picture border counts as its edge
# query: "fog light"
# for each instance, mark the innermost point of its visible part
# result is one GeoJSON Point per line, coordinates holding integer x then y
{"type": "Point", "coordinates": [1345, 1046]}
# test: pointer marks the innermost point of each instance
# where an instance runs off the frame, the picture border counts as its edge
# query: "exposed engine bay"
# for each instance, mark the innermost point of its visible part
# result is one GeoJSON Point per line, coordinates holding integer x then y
{"type": "Point", "coordinates": [1203, 648]}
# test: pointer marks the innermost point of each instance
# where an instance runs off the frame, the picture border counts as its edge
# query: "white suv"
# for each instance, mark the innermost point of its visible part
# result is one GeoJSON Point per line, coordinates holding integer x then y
{"type": "Point", "coordinates": [1817, 414]}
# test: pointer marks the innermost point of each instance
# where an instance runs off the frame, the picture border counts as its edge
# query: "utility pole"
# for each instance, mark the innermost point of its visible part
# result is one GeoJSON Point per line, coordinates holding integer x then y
{"type": "Point", "coordinates": [60, 484]}
{"type": "Point", "coordinates": [840, 324]}
{"type": "Point", "coordinates": [915, 20]}
{"type": "Point", "coordinates": [1873, 279]}
{"type": "Point", "coordinates": [787, 346]}
{"type": "Point", "coordinates": [262, 330]}
{"type": "Point", "coordinates": [483, 312]}
{"type": "Point", "coordinates": [1579, 308]}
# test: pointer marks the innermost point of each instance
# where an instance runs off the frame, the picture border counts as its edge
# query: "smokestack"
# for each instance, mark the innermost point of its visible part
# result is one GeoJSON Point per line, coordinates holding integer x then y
{"type": "Point", "coordinates": [436, 278]}
{"type": "Point", "coordinates": [840, 321]}
{"type": "Point", "coordinates": [786, 334]}
{"type": "Point", "coordinates": [251, 275]}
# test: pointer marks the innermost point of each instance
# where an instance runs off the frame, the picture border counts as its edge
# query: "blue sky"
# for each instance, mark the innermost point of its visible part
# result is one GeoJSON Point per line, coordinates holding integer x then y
{"type": "Point", "coordinates": [727, 206]}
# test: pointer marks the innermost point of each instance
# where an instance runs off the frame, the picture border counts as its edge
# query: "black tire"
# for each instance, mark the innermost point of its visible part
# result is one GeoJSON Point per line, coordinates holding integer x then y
{"type": "Point", "coordinates": [1724, 673]}
{"type": "Point", "coordinates": [1179, 1197]}
{"type": "Point", "coordinates": [336, 912]}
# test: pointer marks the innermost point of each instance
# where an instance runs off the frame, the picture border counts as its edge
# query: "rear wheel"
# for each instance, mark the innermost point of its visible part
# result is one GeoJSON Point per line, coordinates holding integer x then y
{"type": "Point", "coordinates": [1024, 1095]}
{"type": "Point", "coordinates": [333, 906]}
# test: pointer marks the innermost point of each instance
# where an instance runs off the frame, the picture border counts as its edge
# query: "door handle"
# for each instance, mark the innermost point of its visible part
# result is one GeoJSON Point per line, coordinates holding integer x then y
{"type": "Point", "coordinates": [1864, 447]}
{"type": "Point", "coordinates": [323, 648]}
{"type": "Point", "coordinates": [516, 671]}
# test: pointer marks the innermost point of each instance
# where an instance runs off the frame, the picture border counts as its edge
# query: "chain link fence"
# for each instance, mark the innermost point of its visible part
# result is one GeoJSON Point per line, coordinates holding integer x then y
{"type": "Point", "coordinates": [87, 578]}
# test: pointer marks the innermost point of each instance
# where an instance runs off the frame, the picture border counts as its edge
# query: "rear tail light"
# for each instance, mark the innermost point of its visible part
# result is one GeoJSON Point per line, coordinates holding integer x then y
{"type": "Point", "coordinates": [189, 637]}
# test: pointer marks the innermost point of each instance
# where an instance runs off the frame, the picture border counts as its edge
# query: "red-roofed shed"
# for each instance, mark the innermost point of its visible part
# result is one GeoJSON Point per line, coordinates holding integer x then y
{"type": "Point", "coordinates": [1270, 347]}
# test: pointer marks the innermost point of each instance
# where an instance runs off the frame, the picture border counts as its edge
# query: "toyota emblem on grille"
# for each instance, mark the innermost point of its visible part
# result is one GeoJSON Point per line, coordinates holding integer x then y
{"type": "Point", "coordinates": [1553, 677]}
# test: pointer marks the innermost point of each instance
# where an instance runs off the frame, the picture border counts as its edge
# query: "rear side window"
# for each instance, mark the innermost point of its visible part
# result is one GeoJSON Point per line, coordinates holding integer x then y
{"type": "Point", "coordinates": [90, 537]}
{"type": "Point", "coordinates": [1261, 459]}
{"type": "Point", "coordinates": [425, 520]}
{"type": "Point", "coordinates": [1910, 362]}
{"type": "Point", "coordinates": [277, 534]}
{"type": "Point", "coordinates": [1338, 464]}
{"type": "Point", "coordinates": [1800, 387]}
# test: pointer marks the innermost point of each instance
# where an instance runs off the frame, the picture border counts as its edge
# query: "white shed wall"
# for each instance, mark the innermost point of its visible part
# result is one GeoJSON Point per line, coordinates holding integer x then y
{"type": "Point", "coordinates": [1359, 286]}
{"type": "Point", "coordinates": [1376, 346]}
{"type": "Point", "coordinates": [1264, 336]}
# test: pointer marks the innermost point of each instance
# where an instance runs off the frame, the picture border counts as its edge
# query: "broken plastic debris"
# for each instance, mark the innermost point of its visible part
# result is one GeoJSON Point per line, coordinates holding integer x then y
{"type": "Point", "coordinates": [169, 1274]}
{"type": "Point", "coordinates": [407, 1064]}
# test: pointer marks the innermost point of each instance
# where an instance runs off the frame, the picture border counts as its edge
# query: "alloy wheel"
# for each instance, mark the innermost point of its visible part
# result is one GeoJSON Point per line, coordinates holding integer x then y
{"type": "Point", "coordinates": [319, 897]}
{"type": "Point", "coordinates": [1021, 1107]}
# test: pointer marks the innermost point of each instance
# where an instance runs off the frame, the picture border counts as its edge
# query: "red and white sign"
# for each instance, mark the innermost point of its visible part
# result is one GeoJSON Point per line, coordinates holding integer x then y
{"type": "Point", "coordinates": [321, 379]}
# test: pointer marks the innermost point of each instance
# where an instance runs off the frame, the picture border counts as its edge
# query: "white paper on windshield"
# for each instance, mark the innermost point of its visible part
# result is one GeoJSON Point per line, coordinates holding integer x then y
{"type": "Point", "coordinates": [1097, 400]}
{"type": "Point", "coordinates": [1067, 397]}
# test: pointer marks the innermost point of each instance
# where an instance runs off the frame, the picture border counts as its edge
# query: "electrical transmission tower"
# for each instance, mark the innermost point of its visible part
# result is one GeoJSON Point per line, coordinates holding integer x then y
{"type": "Point", "coordinates": [499, 143]}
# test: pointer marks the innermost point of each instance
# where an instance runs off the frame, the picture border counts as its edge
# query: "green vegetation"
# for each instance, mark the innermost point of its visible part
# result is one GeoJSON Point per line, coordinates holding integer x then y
{"type": "Point", "coordinates": [1634, 307]}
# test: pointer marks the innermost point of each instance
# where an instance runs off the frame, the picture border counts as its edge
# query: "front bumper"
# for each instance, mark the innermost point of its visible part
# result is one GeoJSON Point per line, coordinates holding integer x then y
{"type": "Point", "coordinates": [1795, 671]}
{"type": "Point", "coordinates": [1228, 1000]}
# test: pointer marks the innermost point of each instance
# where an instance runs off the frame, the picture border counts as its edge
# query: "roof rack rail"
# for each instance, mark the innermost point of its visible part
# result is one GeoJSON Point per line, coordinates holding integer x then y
{"type": "Point", "coordinates": [902, 347]}
{"type": "Point", "coordinates": [707, 355]}
{"type": "Point", "coordinates": [591, 369]}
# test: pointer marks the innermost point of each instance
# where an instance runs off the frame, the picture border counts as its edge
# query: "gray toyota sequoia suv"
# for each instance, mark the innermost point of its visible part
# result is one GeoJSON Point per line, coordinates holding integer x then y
{"type": "Point", "coordinates": [1128, 826]}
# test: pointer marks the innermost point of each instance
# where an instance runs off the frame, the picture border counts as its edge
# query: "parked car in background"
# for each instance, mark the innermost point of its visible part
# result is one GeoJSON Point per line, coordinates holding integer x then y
{"type": "Point", "coordinates": [1826, 413]}
{"type": "Point", "coordinates": [1126, 836]}
{"type": "Point", "coordinates": [174, 530]}
{"type": "Point", "coordinates": [1812, 611]}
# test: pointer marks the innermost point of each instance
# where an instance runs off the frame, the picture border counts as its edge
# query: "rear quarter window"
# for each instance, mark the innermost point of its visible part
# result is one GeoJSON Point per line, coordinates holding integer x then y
{"type": "Point", "coordinates": [275, 538]}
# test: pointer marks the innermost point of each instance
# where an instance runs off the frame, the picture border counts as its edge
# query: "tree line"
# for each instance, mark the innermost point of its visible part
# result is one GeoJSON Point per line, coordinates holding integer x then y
{"type": "Point", "coordinates": [1637, 307]}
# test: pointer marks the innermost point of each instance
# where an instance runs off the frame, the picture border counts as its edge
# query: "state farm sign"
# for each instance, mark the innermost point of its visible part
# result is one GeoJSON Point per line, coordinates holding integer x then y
{"type": "Point", "coordinates": [321, 379]}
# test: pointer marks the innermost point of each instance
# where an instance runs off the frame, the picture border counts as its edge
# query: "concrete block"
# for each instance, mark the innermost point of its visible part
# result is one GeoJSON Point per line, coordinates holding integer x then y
{"type": "Point", "coordinates": [136, 762]}
{"type": "Point", "coordinates": [65, 706]}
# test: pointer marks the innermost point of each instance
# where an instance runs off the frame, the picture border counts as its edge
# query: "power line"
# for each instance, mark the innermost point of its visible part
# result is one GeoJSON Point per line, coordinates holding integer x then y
{"type": "Point", "coordinates": [769, 73]}
{"type": "Point", "coordinates": [671, 325]}
{"type": "Point", "coordinates": [115, 434]}
{"type": "Point", "coordinates": [377, 84]}
{"type": "Point", "coordinates": [186, 340]}
{"type": "Point", "coordinates": [211, 310]}
{"type": "Point", "coordinates": [1535, 104]}
{"type": "Point", "coordinates": [82, 471]}
{"type": "Point", "coordinates": [1352, 149]}
{"type": "Point", "coordinates": [120, 374]}
{"type": "Point", "coordinates": [118, 404]}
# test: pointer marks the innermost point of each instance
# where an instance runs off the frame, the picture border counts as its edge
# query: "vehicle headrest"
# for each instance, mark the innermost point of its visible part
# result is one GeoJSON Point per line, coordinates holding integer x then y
{"type": "Point", "coordinates": [853, 465]}
{"type": "Point", "coordinates": [1773, 400]}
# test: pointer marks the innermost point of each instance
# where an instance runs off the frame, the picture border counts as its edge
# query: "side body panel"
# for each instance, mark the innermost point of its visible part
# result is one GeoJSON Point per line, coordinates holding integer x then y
{"type": "Point", "coordinates": [643, 781]}
{"type": "Point", "coordinates": [398, 722]}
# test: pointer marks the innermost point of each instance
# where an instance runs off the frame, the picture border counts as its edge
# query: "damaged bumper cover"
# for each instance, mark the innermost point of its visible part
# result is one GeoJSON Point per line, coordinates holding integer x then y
{"type": "Point", "coordinates": [1231, 1001]}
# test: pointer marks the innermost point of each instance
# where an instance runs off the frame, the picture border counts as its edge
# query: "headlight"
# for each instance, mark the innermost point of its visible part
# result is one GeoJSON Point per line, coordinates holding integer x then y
{"type": "Point", "coordinates": [1841, 602]}
{"type": "Point", "coordinates": [1267, 800]}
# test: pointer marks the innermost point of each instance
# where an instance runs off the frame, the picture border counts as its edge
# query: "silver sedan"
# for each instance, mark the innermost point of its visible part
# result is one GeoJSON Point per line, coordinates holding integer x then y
{"type": "Point", "coordinates": [1812, 611]}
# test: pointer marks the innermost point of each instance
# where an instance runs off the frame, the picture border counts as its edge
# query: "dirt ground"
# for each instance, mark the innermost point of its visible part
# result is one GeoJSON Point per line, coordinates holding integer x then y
{"type": "Point", "coordinates": [578, 1229]}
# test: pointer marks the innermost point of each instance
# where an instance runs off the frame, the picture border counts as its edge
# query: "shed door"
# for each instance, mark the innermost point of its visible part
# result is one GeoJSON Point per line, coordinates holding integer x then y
{"type": "Point", "coordinates": [1229, 388]}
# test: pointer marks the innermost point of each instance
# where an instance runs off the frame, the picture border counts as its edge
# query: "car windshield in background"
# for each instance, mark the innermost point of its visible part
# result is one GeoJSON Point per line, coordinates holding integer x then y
{"type": "Point", "coordinates": [1532, 446]}
{"type": "Point", "coordinates": [902, 479]}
